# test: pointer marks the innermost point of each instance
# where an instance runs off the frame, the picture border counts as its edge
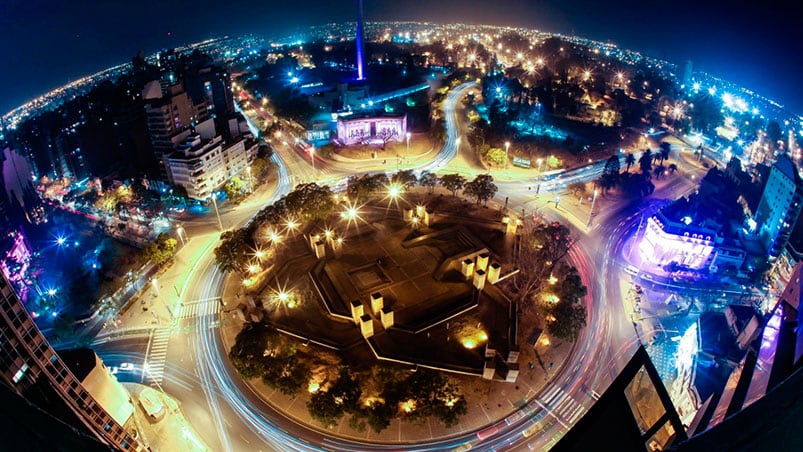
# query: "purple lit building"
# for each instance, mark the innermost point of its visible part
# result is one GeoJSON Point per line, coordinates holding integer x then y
{"type": "Point", "coordinates": [376, 129]}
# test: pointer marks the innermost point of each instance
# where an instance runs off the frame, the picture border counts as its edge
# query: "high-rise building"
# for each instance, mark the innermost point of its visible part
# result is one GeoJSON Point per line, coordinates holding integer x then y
{"type": "Point", "coordinates": [201, 166]}
{"type": "Point", "coordinates": [779, 206]}
{"type": "Point", "coordinates": [32, 369]}
{"type": "Point", "coordinates": [171, 115]}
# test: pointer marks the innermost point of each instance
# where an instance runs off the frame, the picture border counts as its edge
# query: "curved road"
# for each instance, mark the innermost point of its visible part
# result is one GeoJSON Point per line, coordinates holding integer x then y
{"type": "Point", "coordinates": [235, 418]}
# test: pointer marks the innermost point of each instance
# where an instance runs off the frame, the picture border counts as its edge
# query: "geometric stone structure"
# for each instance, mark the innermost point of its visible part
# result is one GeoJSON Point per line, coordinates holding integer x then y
{"type": "Point", "coordinates": [357, 311]}
{"type": "Point", "coordinates": [366, 326]}
{"type": "Point", "coordinates": [482, 262]}
{"type": "Point", "coordinates": [467, 268]}
{"type": "Point", "coordinates": [479, 279]}
{"type": "Point", "coordinates": [377, 303]}
{"type": "Point", "coordinates": [386, 317]}
{"type": "Point", "coordinates": [493, 273]}
{"type": "Point", "coordinates": [489, 369]}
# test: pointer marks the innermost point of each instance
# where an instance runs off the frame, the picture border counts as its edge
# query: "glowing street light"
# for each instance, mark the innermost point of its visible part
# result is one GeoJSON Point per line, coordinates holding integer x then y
{"type": "Point", "coordinates": [250, 179]}
{"type": "Point", "coordinates": [217, 212]}
{"type": "Point", "coordinates": [312, 157]}
{"type": "Point", "coordinates": [507, 148]}
{"type": "Point", "coordinates": [394, 191]}
{"type": "Point", "coordinates": [407, 154]}
{"type": "Point", "coordinates": [181, 233]}
{"type": "Point", "coordinates": [593, 201]}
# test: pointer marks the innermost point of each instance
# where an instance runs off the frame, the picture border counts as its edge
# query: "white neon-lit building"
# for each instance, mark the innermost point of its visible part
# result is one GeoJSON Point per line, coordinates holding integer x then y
{"type": "Point", "coordinates": [666, 241]}
{"type": "Point", "coordinates": [379, 128]}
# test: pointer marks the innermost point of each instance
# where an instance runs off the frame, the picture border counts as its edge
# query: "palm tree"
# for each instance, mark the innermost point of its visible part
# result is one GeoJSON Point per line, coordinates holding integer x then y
{"type": "Point", "coordinates": [630, 160]}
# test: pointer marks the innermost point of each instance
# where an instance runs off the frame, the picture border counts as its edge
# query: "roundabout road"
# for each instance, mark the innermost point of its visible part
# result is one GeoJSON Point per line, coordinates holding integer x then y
{"type": "Point", "coordinates": [231, 417]}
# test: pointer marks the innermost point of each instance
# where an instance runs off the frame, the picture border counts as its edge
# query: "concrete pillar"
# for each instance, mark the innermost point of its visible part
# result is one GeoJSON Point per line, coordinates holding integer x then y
{"type": "Point", "coordinates": [420, 211]}
{"type": "Point", "coordinates": [482, 261]}
{"type": "Point", "coordinates": [240, 314]}
{"type": "Point", "coordinates": [511, 227]}
{"type": "Point", "coordinates": [467, 268]}
{"type": "Point", "coordinates": [479, 279]}
{"type": "Point", "coordinates": [408, 214]}
{"type": "Point", "coordinates": [366, 326]}
{"type": "Point", "coordinates": [490, 352]}
{"type": "Point", "coordinates": [513, 355]}
{"type": "Point", "coordinates": [387, 317]}
{"type": "Point", "coordinates": [377, 302]}
{"type": "Point", "coordinates": [489, 369]}
{"type": "Point", "coordinates": [320, 249]}
{"type": "Point", "coordinates": [313, 239]}
{"type": "Point", "coordinates": [512, 373]}
{"type": "Point", "coordinates": [493, 273]}
{"type": "Point", "coordinates": [357, 311]}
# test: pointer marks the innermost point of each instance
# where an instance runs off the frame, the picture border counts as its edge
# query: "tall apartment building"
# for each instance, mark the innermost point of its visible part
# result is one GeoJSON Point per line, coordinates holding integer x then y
{"type": "Point", "coordinates": [201, 165]}
{"type": "Point", "coordinates": [32, 369]}
{"type": "Point", "coordinates": [171, 115]}
{"type": "Point", "coordinates": [779, 206]}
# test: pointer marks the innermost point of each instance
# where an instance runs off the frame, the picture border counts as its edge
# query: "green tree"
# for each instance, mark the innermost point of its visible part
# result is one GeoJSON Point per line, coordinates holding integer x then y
{"type": "Point", "coordinates": [234, 187]}
{"type": "Point", "coordinates": [577, 188]}
{"type": "Point", "coordinates": [310, 201]}
{"type": "Point", "coordinates": [495, 156]}
{"type": "Point", "coordinates": [405, 178]}
{"type": "Point", "coordinates": [645, 162]}
{"type": "Point", "coordinates": [429, 180]}
{"type": "Point", "coordinates": [482, 188]}
{"type": "Point", "coordinates": [569, 312]}
{"type": "Point", "coordinates": [233, 251]}
{"type": "Point", "coordinates": [160, 250]}
{"type": "Point", "coordinates": [542, 247]}
{"type": "Point", "coordinates": [453, 182]}
{"type": "Point", "coordinates": [366, 185]}
{"type": "Point", "coordinates": [666, 149]}
{"type": "Point", "coordinates": [327, 407]}
{"type": "Point", "coordinates": [247, 355]}
{"type": "Point", "coordinates": [630, 160]}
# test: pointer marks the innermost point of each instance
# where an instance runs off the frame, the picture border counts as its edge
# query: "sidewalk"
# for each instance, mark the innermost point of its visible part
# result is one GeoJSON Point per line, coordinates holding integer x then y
{"type": "Point", "coordinates": [168, 430]}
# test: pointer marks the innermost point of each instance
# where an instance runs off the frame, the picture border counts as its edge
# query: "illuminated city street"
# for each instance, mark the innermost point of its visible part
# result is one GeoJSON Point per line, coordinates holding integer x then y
{"type": "Point", "coordinates": [379, 234]}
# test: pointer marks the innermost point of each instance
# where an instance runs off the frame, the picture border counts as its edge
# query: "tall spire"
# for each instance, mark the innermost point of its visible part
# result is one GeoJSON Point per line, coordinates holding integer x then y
{"type": "Point", "coordinates": [360, 59]}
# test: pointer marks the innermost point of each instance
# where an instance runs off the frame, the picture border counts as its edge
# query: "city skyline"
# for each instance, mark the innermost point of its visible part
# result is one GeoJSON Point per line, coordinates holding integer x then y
{"type": "Point", "coordinates": [750, 45]}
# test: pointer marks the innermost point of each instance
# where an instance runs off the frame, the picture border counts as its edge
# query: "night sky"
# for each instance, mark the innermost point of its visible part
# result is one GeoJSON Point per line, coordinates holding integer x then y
{"type": "Point", "coordinates": [47, 43]}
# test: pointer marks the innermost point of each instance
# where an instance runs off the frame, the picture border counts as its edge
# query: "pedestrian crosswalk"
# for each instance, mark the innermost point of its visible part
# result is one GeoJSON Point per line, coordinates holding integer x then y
{"type": "Point", "coordinates": [199, 308]}
{"type": "Point", "coordinates": [562, 405]}
{"type": "Point", "coordinates": [157, 354]}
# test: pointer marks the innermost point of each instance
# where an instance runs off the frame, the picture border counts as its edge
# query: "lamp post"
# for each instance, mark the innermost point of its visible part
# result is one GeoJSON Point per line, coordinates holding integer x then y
{"type": "Point", "coordinates": [593, 201]}
{"type": "Point", "coordinates": [217, 212]}
{"type": "Point", "coordinates": [407, 154]}
{"type": "Point", "coordinates": [179, 231]}
{"type": "Point", "coordinates": [312, 157]}
{"type": "Point", "coordinates": [507, 148]}
{"type": "Point", "coordinates": [250, 179]}
{"type": "Point", "coordinates": [540, 163]}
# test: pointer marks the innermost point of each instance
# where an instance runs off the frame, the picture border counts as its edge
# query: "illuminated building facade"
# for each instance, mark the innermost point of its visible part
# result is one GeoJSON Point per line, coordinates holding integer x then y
{"type": "Point", "coordinates": [374, 129]}
{"type": "Point", "coordinates": [665, 242]}
{"type": "Point", "coordinates": [202, 166]}
{"type": "Point", "coordinates": [779, 207]}
{"type": "Point", "coordinates": [30, 367]}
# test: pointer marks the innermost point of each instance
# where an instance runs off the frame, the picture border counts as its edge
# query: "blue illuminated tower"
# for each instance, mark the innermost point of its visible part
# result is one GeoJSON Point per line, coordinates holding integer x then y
{"type": "Point", "coordinates": [360, 58]}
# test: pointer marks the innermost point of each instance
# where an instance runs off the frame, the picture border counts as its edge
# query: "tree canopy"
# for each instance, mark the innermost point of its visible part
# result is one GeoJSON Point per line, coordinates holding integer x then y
{"type": "Point", "coordinates": [453, 182]}
{"type": "Point", "coordinates": [481, 188]}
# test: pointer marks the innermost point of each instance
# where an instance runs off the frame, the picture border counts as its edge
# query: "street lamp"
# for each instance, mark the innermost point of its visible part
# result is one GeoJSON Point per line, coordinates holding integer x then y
{"type": "Point", "coordinates": [407, 154]}
{"type": "Point", "coordinates": [507, 147]}
{"type": "Point", "coordinates": [250, 179]}
{"type": "Point", "coordinates": [217, 212]}
{"type": "Point", "coordinates": [540, 163]}
{"type": "Point", "coordinates": [591, 212]}
{"type": "Point", "coordinates": [179, 231]}
{"type": "Point", "coordinates": [312, 157]}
